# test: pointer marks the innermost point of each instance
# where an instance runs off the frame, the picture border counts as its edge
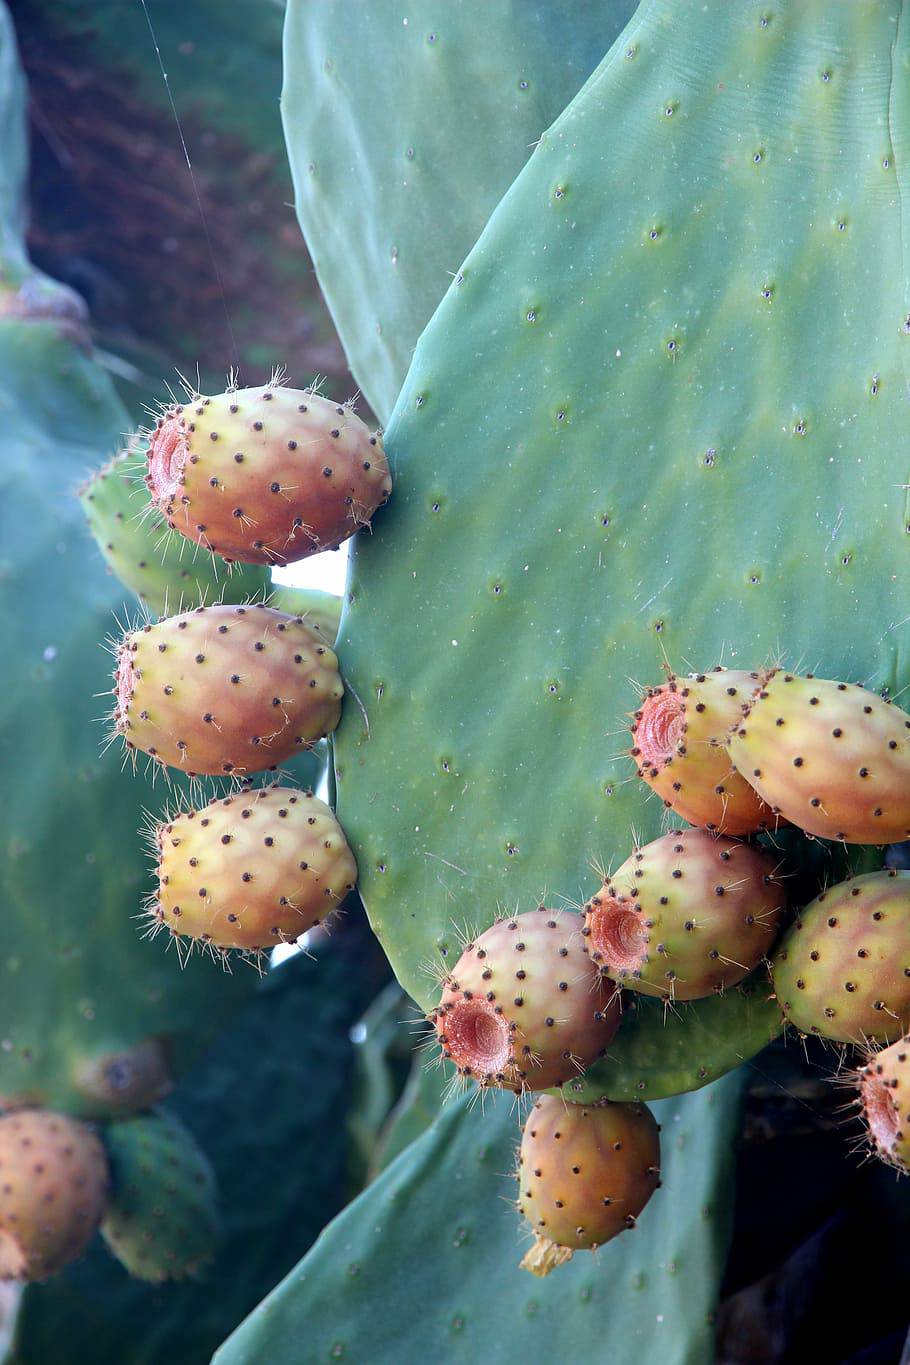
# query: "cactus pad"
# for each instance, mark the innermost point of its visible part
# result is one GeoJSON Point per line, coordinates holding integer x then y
{"type": "Point", "coordinates": [161, 1220]}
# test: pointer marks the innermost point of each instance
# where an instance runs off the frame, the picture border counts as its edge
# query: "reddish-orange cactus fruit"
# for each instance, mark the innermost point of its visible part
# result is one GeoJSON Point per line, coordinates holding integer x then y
{"type": "Point", "coordinates": [53, 1187]}
{"type": "Point", "coordinates": [686, 915]}
{"type": "Point", "coordinates": [679, 736]}
{"type": "Point", "coordinates": [225, 690]}
{"type": "Point", "coordinates": [524, 1008]}
{"type": "Point", "coordinates": [585, 1173]}
{"type": "Point", "coordinates": [265, 476]}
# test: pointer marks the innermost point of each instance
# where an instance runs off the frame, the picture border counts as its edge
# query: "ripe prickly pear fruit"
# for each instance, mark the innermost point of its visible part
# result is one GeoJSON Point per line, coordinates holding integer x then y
{"type": "Point", "coordinates": [686, 915]}
{"type": "Point", "coordinates": [152, 561]}
{"type": "Point", "coordinates": [225, 689]}
{"type": "Point", "coordinates": [524, 1008]}
{"type": "Point", "coordinates": [162, 1220]}
{"type": "Point", "coordinates": [585, 1173]}
{"type": "Point", "coordinates": [53, 1186]}
{"type": "Point", "coordinates": [842, 969]}
{"type": "Point", "coordinates": [679, 744]}
{"type": "Point", "coordinates": [830, 757]}
{"type": "Point", "coordinates": [884, 1096]}
{"type": "Point", "coordinates": [265, 476]}
{"type": "Point", "coordinates": [251, 870]}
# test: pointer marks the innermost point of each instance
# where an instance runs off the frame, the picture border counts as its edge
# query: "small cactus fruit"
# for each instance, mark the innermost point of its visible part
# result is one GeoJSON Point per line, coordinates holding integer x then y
{"type": "Point", "coordinates": [162, 1220]}
{"type": "Point", "coordinates": [524, 1008]}
{"type": "Point", "coordinates": [157, 565]}
{"type": "Point", "coordinates": [884, 1096]}
{"type": "Point", "coordinates": [842, 969]}
{"type": "Point", "coordinates": [830, 757]}
{"type": "Point", "coordinates": [251, 870]}
{"type": "Point", "coordinates": [679, 736]}
{"type": "Point", "coordinates": [686, 915]}
{"type": "Point", "coordinates": [265, 476]}
{"type": "Point", "coordinates": [585, 1173]}
{"type": "Point", "coordinates": [225, 689]}
{"type": "Point", "coordinates": [53, 1185]}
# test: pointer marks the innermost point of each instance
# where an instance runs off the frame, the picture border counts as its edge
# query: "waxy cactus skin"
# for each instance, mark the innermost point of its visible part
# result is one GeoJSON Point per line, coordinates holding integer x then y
{"type": "Point", "coordinates": [224, 690]}
{"type": "Point", "coordinates": [679, 745]}
{"type": "Point", "coordinates": [523, 1007]}
{"type": "Point", "coordinates": [842, 970]}
{"type": "Point", "coordinates": [686, 915]}
{"type": "Point", "coordinates": [251, 870]}
{"type": "Point", "coordinates": [585, 1173]}
{"type": "Point", "coordinates": [265, 476]}
{"type": "Point", "coordinates": [831, 757]}
{"type": "Point", "coordinates": [53, 1186]}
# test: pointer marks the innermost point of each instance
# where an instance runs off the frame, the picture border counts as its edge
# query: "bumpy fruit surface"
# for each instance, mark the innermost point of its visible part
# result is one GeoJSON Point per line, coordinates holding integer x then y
{"type": "Point", "coordinates": [679, 737]}
{"type": "Point", "coordinates": [251, 870]}
{"type": "Point", "coordinates": [842, 969]}
{"type": "Point", "coordinates": [151, 560]}
{"type": "Point", "coordinates": [686, 915]}
{"type": "Point", "coordinates": [585, 1173]}
{"type": "Point", "coordinates": [524, 1007]}
{"type": "Point", "coordinates": [884, 1093]}
{"type": "Point", "coordinates": [53, 1184]}
{"type": "Point", "coordinates": [830, 757]}
{"type": "Point", "coordinates": [225, 689]}
{"type": "Point", "coordinates": [266, 476]}
{"type": "Point", "coordinates": [162, 1220]}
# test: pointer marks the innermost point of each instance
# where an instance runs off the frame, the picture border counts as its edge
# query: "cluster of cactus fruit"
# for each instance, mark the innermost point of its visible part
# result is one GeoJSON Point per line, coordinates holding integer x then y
{"type": "Point", "coordinates": [536, 999]}
{"type": "Point", "coordinates": [232, 690]}
{"type": "Point", "coordinates": [249, 479]}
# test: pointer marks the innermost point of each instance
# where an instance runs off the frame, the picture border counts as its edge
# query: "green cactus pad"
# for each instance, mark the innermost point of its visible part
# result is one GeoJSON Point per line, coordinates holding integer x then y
{"type": "Point", "coordinates": [320, 610]}
{"type": "Point", "coordinates": [414, 99]}
{"type": "Point", "coordinates": [642, 374]}
{"type": "Point", "coordinates": [160, 566]}
{"type": "Point", "coordinates": [438, 1229]}
{"type": "Point", "coordinates": [162, 1220]}
{"type": "Point", "coordinates": [661, 1050]}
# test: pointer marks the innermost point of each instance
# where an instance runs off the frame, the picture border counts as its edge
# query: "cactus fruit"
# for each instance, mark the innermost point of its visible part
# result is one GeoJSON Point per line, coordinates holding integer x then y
{"type": "Point", "coordinates": [686, 915]}
{"type": "Point", "coordinates": [162, 1220]}
{"type": "Point", "coordinates": [225, 689]}
{"type": "Point", "coordinates": [155, 563]}
{"type": "Point", "coordinates": [265, 476]}
{"type": "Point", "coordinates": [53, 1185]}
{"type": "Point", "coordinates": [679, 745]}
{"type": "Point", "coordinates": [884, 1083]}
{"type": "Point", "coordinates": [523, 1008]}
{"type": "Point", "coordinates": [830, 756]}
{"type": "Point", "coordinates": [585, 1174]}
{"type": "Point", "coordinates": [842, 969]}
{"type": "Point", "coordinates": [251, 870]}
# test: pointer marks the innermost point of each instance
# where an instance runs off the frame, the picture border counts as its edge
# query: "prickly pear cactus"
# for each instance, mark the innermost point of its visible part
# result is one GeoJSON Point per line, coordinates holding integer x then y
{"type": "Point", "coordinates": [419, 1214]}
{"type": "Point", "coordinates": [633, 257]}
{"type": "Point", "coordinates": [92, 1018]}
{"type": "Point", "coordinates": [416, 147]}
